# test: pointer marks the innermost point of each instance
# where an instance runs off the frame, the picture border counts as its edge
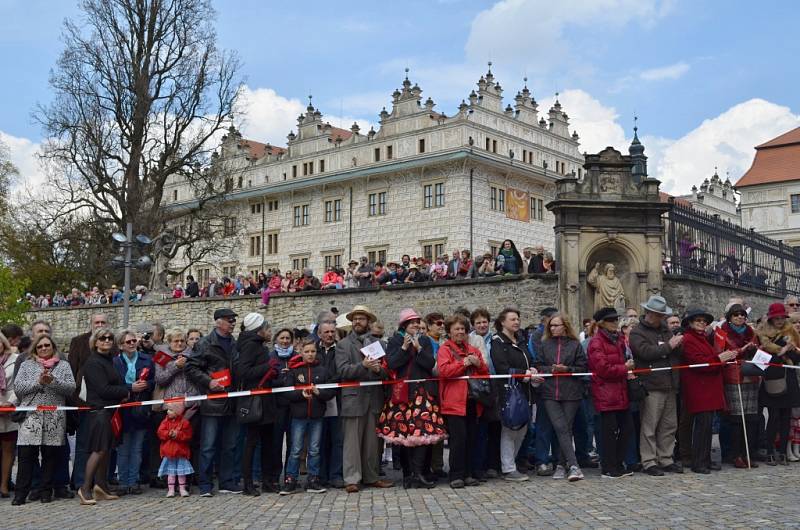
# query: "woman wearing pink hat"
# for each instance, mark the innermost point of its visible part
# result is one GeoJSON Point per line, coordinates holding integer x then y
{"type": "Point", "coordinates": [411, 417]}
{"type": "Point", "coordinates": [779, 390]}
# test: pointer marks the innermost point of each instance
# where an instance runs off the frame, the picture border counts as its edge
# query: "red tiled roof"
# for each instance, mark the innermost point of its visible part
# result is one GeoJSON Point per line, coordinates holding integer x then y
{"type": "Point", "coordinates": [664, 197]}
{"type": "Point", "coordinates": [791, 137]}
{"type": "Point", "coordinates": [259, 150]}
{"type": "Point", "coordinates": [777, 160]}
{"type": "Point", "coordinates": [340, 134]}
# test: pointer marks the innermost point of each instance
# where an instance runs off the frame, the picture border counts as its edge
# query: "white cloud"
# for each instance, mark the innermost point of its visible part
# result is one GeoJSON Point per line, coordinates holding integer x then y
{"type": "Point", "coordinates": [268, 117]}
{"type": "Point", "coordinates": [726, 141]}
{"type": "Point", "coordinates": [532, 32]}
{"type": "Point", "coordinates": [23, 153]}
{"type": "Point", "coordinates": [595, 123]}
{"type": "Point", "coordinates": [673, 71]}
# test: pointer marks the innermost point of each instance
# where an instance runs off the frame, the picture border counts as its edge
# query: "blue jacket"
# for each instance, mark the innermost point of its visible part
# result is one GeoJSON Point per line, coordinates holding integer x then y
{"type": "Point", "coordinates": [135, 418]}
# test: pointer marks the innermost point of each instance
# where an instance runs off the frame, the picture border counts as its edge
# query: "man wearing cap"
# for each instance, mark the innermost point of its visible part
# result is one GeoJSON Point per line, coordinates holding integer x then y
{"type": "Point", "coordinates": [360, 405]}
{"type": "Point", "coordinates": [654, 346]}
{"type": "Point", "coordinates": [207, 370]}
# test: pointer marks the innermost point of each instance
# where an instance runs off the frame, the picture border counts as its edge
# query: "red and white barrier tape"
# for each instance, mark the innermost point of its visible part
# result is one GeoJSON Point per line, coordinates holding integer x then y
{"type": "Point", "coordinates": [355, 384]}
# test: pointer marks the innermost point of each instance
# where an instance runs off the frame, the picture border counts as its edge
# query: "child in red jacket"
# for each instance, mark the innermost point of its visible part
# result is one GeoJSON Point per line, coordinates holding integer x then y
{"type": "Point", "coordinates": [175, 433]}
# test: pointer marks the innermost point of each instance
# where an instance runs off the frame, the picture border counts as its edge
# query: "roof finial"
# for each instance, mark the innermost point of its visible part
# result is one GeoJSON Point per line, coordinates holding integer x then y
{"type": "Point", "coordinates": [490, 67]}
{"type": "Point", "coordinates": [406, 72]}
{"type": "Point", "coordinates": [309, 99]}
{"type": "Point", "coordinates": [525, 81]}
{"type": "Point", "coordinates": [715, 171]}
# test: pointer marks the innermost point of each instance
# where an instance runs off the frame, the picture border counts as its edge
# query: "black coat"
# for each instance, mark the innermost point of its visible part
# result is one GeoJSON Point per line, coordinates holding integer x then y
{"type": "Point", "coordinates": [104, 386]}
{"type": "Point", "coordinates": [412, 364]}
{"type": "Point", "coordinates": [210, 357]}
{"type": "Point", "coordinates": [304, 374]}
{"type": "Point", "coordinates": [510, 358]}
{"type": "Point", "coordinates": [192, 290]}
{"type": "Point", "coordinates": [536, 264]}
{"type": "Point", "coordinates": [251, 365]}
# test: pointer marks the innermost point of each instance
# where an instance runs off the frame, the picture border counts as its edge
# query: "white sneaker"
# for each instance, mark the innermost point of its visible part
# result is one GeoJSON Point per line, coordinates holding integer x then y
{"type": "Point", "coordinates": [515, 476]}
{"type": "Point", "coordinates": [575, 474]}
{"type": "Point", "coordinates": [559, 473]}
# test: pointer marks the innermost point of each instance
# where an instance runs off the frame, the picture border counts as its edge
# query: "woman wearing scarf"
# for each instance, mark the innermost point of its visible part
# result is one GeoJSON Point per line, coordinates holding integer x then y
{"type": "Point", "coordinates": [741, 392]}
{"type": "Point", "coordinates": [137, 370]}
{"type": "Point", "coordinates": [511, 258]}
{"type": "Point", "coordinates": [610, 391]}
{"type": "Point", "coordinates": [411, 417]}
{"type": "Point", "coordinates": [8, 428]}
{"type": "Point", "coordinates": [702, 387]}
{"type": "Point", "coordinates": [282, 428]}
{"type": "Point", "coordinates": [42, 380]}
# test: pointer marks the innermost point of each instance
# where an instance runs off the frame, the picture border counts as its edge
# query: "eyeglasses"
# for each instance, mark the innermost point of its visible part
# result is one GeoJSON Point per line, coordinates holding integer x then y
{"type": "Point", "coordinates": [231, 320]}
{"type": "Point", "coordinates": [794, 305]}
{"type": "Point", "coordinates": [43, 346]}
{"type": "Point", "coordinates": [739, 315]}
{"type": "Point", "coordinates": [439, 323]}
{"type": "Point", "coordinates": [106, 338]}
{"type": "Point", "coordinates": [131, 341]}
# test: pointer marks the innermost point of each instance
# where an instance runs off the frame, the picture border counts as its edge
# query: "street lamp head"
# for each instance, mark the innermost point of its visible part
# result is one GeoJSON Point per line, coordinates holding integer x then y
{"type": "Point", "coordinates": [143, 262]}
{"type": "Point", "coordinates": [118, 261]}
{"type": "Point", "coordinates": [143, 239]}
{"type": "Point", "coordinates": [119, 237]}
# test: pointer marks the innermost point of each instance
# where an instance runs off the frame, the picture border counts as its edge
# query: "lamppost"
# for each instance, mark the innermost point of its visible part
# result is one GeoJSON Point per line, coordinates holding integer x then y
{"type": "Point", "coordinates": [126, 243]}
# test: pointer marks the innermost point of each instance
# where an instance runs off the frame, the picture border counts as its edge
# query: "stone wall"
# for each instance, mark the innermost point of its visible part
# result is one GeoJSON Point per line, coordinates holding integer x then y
{"type": "Point", "coordinates": [685, 291]}
{"type": "Point", "coordinates": [529, 294]}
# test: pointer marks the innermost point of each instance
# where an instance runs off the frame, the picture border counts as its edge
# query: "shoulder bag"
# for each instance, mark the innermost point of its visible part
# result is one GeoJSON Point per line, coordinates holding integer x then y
{"type": "Point", "coordinates": [249, 409]}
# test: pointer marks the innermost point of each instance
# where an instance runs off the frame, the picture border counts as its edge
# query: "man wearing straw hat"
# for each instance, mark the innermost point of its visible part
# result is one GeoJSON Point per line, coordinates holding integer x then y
{"type": "Point", "coordinates": [654, 346]}
{"type": "Point", "coordinates": [360, 405]}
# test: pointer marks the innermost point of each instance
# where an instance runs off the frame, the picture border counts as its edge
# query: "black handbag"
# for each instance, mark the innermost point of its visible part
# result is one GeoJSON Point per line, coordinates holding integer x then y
{"type": "Point", "coordinates": [18, 416]}
{"type": "Point", "coordinates": [250, 409]}
{"type": "Point", "coordinates": [636, 390]}
{"type": "Point", "coordinates": [480, 390]}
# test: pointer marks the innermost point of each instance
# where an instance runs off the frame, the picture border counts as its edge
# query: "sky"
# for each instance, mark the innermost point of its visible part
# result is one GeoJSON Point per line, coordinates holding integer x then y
{"type": "Point", "coordinates": [707, 79]}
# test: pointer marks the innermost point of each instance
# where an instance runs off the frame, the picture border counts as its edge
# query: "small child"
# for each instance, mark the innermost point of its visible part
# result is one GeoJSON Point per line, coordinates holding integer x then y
{"type": "Point", "coordinates": [307, 408]}
{"type": "Point", "coordinates": [175, 433]}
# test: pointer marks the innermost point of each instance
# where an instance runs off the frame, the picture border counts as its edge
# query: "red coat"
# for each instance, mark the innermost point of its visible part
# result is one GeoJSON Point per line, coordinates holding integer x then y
{"type": "Point", "coordinates": [701, 387]}
{"type": "Point", "coordinates": [453, 393]}
{"type": "Point", "coordinates": [609, 373]}
{"type": "Point", "coordinates": [177, 447]}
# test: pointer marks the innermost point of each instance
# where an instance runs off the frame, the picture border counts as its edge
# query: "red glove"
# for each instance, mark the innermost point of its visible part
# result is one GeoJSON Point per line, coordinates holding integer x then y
{"type": "Point", "coordinates": [274, 369]}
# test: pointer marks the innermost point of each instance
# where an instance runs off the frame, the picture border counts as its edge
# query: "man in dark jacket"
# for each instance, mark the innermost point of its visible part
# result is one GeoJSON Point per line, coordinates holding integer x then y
{"type": "Point", "coordinates": [192, 289]}
{"type": "Point", "coordinates": [209, 371]}
{"type": "Point", "coordinates": [654, 346]}
{"type": "Point", "coordinates": [332, 440]}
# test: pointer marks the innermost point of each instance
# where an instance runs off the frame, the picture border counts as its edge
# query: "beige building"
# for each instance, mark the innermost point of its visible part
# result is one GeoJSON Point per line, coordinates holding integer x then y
{"type": "Point", "coordinates": [422, 184]}
{"type": "Point", "coordinates": [770, 189]}
{"type": "Point", "coordinates": [715, 197]}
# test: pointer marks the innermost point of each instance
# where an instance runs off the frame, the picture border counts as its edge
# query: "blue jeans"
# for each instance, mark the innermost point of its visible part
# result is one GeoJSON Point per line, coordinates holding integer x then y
{"type": "Point", "coordinates": [129, 457]}
{"type": "Point", "coordinates": [299, 430]}
{"type": "Point", "coordinates": [81, 455]}
{"type": "Point", "coordinates": [332, 449]}
{"type": "Point", "coordinates": [546, 445]}
{"type": "Point", "coordinates": [227, 430]}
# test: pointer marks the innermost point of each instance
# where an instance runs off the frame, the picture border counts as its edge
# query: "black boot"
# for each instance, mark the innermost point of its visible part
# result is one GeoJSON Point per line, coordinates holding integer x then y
{"type": "Point", "coordinates": [421, 482]}
{"type": "Point", "coordinates": [250, 489]}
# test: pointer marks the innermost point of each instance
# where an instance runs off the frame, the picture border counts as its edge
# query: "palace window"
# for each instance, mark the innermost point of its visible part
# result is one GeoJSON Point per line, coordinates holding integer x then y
{"type": "Point", "coordinates": [301, 215]}
{"type": "Point", "coordinates": [272, 243]}
{"type": "Point", "coordinates": [795, 201]}
{"type": "Point", "coordinates": [377, 204]}
{"type": "Point", "coordinates": [497, 198]}
{"type": "Point", "coordinates": [537, 209]}
{"type": "Point", "coordinates": [255, 246]}
{"type": "Point", "coordinates": [333, 211]}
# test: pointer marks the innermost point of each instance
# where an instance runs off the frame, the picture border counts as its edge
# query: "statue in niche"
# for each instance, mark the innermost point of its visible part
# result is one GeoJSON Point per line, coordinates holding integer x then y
{"type": "Point", "coordinates": [608, 290]}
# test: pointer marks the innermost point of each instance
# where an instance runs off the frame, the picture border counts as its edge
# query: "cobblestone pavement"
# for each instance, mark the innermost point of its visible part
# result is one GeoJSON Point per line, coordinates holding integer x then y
{"type": "Point", "coordinates": [761, 498]}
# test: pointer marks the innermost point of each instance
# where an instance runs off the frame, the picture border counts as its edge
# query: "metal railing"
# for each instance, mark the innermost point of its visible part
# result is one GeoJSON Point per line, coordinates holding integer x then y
{"type": "Point", "coordinates": [706, 247]}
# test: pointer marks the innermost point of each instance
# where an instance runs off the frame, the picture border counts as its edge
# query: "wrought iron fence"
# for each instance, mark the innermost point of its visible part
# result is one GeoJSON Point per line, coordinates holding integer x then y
{"type": "Point", "coordinates": [704, 246]}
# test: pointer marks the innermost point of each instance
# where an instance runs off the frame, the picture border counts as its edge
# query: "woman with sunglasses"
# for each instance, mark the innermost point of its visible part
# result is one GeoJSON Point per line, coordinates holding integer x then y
{"type": "Point", "coordinates": [610, 391]}
{"type": "Point", "coordinates": [104, 386]}
{"type": "Point", "coordinates": [43, 379]}
{"type": "Point", "coordinates": [741, 392]}
{"type": "Point", "coordinates": [702, 388]}
{"type": "Point", "coordinates": [136, 368]}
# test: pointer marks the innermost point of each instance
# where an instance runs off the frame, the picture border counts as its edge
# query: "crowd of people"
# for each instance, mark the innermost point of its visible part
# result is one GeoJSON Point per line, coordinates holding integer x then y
{"type": "Point", "coordinates": [359, 273]}
{"type": "Point", "coordinates": [548, 419]}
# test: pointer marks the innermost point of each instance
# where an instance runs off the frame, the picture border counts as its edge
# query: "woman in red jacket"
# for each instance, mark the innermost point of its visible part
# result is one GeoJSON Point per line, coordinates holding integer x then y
{"type": "Point", "coordinates": [610, 390]}
{"type": "Point", "coordinates": [702, 388]}
{"type": "Point", "coordinates": [456, 358]}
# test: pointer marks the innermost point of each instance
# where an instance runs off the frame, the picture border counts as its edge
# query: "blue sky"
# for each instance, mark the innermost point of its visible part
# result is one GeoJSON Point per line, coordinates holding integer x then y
{"type": "Point", "coordinates": [708, 79]}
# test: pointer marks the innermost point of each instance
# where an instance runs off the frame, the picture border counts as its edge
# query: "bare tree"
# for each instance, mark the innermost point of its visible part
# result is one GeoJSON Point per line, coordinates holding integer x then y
{"type": "Point", "coordinates": [141, 93]}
